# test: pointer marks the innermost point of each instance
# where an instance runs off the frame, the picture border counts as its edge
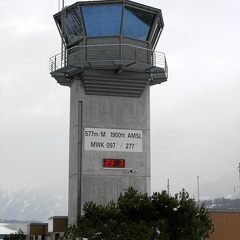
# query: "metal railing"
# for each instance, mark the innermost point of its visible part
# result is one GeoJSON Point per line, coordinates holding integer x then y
{"type": "Point", "coordinates": [108, 52]}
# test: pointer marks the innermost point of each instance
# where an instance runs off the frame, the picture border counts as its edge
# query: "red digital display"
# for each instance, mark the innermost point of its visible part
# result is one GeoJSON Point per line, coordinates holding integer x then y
{"type": "Point", "coordinates": [113, 163]}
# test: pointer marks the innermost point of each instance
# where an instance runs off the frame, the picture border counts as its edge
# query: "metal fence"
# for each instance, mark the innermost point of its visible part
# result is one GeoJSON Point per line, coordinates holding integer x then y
{"type": "Point", "coordinates": [108, 52]}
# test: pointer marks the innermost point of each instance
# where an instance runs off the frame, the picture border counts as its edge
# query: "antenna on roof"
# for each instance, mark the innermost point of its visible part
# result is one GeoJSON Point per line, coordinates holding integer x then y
{"type": "Point", "coordinates": [62, 41]}
{"type": "Point", "coordinates": [59, 5]}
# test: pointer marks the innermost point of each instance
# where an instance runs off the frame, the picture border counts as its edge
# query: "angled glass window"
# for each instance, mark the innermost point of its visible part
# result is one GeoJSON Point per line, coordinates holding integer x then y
{"type": "Point", "coordinates": [137, 23]}
{"type": "Point", "coordinates": [71, 26]}
{"type": "Point", "coordinates": [102, 20]}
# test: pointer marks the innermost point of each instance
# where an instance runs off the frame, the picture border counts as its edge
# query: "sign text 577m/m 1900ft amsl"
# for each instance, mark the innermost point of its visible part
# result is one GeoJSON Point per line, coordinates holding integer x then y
{"type": "Point", "coordinates": [122, 140]}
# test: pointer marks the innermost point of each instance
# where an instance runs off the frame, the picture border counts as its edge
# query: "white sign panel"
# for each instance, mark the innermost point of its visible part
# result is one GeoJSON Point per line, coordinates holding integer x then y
{"type": "Point", "coordinates": [121, 140]}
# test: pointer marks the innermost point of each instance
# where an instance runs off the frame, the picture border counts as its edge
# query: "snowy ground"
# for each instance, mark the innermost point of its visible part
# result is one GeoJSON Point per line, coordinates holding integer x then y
{"type": "Point", "coordinates": [4, 229]}
{"type": "Point", "coordinates": [7, 228]}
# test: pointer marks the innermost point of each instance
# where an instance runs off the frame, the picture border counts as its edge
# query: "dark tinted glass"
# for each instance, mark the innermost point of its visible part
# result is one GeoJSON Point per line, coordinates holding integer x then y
{"type": "Point", "coordinates": [102, 20]}
{"type": "Point", "coordinates": [137, 23]}
{"type": "Point", "coordinates": [72, 27]}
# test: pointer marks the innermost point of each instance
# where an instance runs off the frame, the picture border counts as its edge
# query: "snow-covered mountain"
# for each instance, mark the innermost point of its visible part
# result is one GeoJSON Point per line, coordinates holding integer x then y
{"type": "Point", "coordinates": [40, 203]}
{"type": "Point", "coordinates": [37, 203]}
{"type": "Point", "coordinates": [227, 186]}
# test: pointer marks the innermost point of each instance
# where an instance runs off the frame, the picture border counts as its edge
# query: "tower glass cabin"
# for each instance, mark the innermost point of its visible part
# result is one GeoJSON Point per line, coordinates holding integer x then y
{"type": "Point", "coordinates": [116, 35]}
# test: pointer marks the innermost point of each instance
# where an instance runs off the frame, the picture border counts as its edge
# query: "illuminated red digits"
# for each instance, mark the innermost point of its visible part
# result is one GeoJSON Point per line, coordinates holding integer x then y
{"type": "Point", "coordinates": [121, 163]}
{"type": "Point", "coordinates": [111, 163]}
{"type": "Point", "coordinates": [106, 164]}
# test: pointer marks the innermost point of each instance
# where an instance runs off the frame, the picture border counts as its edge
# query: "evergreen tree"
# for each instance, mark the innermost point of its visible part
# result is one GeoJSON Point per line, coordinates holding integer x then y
{"type": "Point", "coordinates": [15, 236]}
{"type": "Point", "coordinates": [142, 217]}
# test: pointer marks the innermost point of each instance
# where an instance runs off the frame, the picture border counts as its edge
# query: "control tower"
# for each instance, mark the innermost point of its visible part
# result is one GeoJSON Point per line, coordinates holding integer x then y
{"type": "Point", "coordinates": [109, 61]}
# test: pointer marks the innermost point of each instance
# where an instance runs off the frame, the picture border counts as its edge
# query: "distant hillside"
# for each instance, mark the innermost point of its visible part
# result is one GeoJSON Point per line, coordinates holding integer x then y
{"type": "Point", "coordinates": [227, 186]}
{"type": "Point", "coordinates": [34, 203]}
{"type": "Point", "coordinates": [40, 203]}
{"type": "Point", "coordinates": [223, 204]}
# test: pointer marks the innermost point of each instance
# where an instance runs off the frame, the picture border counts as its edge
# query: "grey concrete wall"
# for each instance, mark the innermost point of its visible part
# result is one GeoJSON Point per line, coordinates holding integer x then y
{"type": "Point", "coordinates": [88, 180]}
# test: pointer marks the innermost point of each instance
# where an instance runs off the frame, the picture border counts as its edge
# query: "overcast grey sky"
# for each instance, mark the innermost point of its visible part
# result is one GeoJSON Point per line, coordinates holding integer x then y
{"type": "Point", "coordinates": [195, 116]}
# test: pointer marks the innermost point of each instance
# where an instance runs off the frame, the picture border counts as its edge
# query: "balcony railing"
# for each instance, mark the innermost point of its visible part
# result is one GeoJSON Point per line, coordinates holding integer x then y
{"type": "Point", "coordinates": [126, 53]}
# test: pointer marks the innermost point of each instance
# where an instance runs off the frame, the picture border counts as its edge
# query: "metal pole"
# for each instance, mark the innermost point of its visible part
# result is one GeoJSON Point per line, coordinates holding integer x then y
{"type": "Point", "coordinates": [239, 171]}
{"type": "Point", "coordinates": [63, 52]}
{"type": "Point", "coordinates": [198, 189]}
{"type": "Point", "coordinates": [168, 186]}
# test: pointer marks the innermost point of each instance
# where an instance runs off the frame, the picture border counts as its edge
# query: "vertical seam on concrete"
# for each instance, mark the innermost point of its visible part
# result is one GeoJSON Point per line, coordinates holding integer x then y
{"type": "Point", "coordinates": [79, 200]}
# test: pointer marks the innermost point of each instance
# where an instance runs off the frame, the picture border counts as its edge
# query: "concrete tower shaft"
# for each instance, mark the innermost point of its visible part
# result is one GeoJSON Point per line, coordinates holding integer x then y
{"type": "Point", "coordinates": [109, 62]}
